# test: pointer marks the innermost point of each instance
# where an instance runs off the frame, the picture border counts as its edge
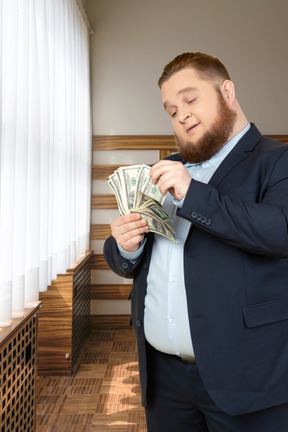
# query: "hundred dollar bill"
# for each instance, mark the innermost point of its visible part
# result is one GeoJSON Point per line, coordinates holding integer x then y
{"type": "Point", "coordinates": [152, 190]}
{"type": "Point", "coordinates": [144, 202]}
{"type": "Point", "coordinates": [135, 193]}
{"type": "Point", "coordinates": [157, 218]}
{"type": "Point", "coordinates": [129, 178]}
{"type": "Point", "coordinates": [157, 226]}
{"type": "Point", "coordinates": [113, 182]}
{"type": "Point", "coordinates": [143, 178]}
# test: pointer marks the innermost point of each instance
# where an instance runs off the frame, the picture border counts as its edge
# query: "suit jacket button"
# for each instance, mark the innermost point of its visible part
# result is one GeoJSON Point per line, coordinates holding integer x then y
{"type": "Point", "coordinates": [199, 217]}
{"type": "Point", "coordinates": [204, 219]}
{"type": "Point", "coordinates": [124, 265]}
{"type": "Point", "coordinates": [138, 323]}
{"type": "Point", "coordinates": [208, 221]}
{"type": "Point", "coordinates": [194, 215]}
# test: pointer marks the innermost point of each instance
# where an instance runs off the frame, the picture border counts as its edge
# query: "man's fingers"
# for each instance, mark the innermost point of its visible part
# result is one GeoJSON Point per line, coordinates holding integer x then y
{"type": "Point", "coordinates": [128, 218]}
{"type": "Point", "coordinates": [162, 167]}
{"type": "Point", "coordinates": [171, 176]}
{"type": "Point", "coordinates": [133, 228]}
{"type": "Point", "coordinates": [128, 230]}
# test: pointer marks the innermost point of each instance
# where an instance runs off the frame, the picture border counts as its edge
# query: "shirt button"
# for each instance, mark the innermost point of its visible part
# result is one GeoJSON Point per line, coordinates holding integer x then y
{"type": "Point", "coordinates": [177, 241]}
{"type": "Point", "coordinates": [172, 279]}
{"type": "Point", "coordinates": [171, 320]}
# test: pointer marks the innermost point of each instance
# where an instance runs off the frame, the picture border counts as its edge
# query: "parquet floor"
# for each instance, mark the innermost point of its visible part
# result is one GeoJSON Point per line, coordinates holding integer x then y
{"type": "Point", "coordinates": [103, 395]}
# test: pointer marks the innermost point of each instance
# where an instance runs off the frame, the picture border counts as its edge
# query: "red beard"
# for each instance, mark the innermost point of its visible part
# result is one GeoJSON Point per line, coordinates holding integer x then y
{"type": "Point", "coordinates": [213, 140]}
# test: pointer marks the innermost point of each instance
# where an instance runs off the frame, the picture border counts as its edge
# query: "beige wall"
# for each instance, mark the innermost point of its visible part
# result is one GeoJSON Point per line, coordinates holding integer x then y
{"type": "Point", "coordinates": [134, 39]}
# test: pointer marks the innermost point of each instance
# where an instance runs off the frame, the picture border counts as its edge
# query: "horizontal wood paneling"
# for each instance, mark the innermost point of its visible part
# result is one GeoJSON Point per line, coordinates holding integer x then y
{"type": "Point", "coordinates": [103, 202]}
{"type": "Point", "coordinates": [164, 153]}
{"type": "Point", "coordinates": [99, 231]}
{"type": "Point", "coordinates": [110, 291]}
{"type": "Point", "coordinates": [109, 321]}
{"type": "Point", "coordinates": [102, 172]}
{"type": "Point", "coordinates": [98, 262]}
{"type": "Point", "coordinates": [134, 142]}
{"type": "Point", "coordinates": [147, 142]}
{"type": "Point", "coordinates": [283, 139]}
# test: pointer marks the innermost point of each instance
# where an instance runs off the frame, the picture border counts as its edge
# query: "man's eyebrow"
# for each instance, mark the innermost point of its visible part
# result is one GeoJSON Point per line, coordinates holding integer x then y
{"type": "Point", "coordinates": [184, 90]}
{"type": "Point", "coordinates": [167, 104]}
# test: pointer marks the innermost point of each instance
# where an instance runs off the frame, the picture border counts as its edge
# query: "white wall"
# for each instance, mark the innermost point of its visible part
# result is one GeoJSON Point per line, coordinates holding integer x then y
{"type": "Point", "coordinates": [134, 39]}
{"type": "Point", "coordinates": [132, 42]}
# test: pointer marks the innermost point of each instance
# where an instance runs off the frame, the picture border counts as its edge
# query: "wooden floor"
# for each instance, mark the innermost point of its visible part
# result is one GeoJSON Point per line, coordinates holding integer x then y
{"type": "Point", "coordinates": [102, 396]}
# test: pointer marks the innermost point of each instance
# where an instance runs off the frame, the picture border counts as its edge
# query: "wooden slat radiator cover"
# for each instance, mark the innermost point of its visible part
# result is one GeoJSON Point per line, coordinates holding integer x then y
{"type": "Point", "coordinates": [64, 320]}
{"type": "Point", "coordinates": [18, 362]}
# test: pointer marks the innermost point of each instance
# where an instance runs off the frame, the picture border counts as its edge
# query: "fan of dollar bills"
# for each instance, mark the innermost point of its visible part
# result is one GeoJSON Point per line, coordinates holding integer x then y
{"type": "Point", "coordinates": [135, 193]}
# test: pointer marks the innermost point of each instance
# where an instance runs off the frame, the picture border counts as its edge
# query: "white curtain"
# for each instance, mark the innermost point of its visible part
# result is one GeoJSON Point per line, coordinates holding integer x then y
{"type": "Point", "coordinates": [45, 147]}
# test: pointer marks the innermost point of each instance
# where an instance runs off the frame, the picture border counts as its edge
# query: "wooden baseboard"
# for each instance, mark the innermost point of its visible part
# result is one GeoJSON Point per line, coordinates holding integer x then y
{"type": "Point", "coordinates": [109, 322]}
{"type": "Point", "coordinates": [110, 291]}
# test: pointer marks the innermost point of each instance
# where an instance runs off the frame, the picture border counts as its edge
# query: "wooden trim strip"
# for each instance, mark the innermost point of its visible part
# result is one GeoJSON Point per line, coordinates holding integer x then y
{"type": "Point", "coordinates": [164, 153]}
{"type": "Point", "coordinates": [80, 263]}
{"type": "Point", "coordinates": [133, 142]}
{"type": "Point", "coordinates": [283, 139]}
{"type": "Point", "coordinates": [147, 142]}
{"type": "Point", "coordinates": [103, 202]}
{"type": "Point", "coordinates": [110, 291]}
{"type": "Point", "coordinates": [10, 331]}
{"type": "Point", "coordinates": [99, 231]}
{"type": "Point", "coordinates": [102, 172]}
{"type": "Point", "coordinates": [109, 321]}
{"type": "Point", "coordinates": [98, 262]}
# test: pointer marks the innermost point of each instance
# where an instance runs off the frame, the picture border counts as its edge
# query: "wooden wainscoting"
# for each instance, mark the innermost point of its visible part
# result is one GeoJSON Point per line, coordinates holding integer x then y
{"type": "Point", "coordinates": [164, 145]}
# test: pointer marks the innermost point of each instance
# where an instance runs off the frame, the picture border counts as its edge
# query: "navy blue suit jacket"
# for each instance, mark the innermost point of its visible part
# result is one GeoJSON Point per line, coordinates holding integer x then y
{"type": "Point", "coordinates": [236, 277]}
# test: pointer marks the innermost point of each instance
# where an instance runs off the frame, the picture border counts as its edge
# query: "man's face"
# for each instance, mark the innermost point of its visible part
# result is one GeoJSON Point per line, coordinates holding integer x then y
{"type": "Point", "coordinates": [202, 121]}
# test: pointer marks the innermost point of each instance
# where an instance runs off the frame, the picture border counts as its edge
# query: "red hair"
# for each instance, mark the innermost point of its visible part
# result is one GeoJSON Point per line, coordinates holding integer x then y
{"type": "Point", "coordinates": [207, 66]}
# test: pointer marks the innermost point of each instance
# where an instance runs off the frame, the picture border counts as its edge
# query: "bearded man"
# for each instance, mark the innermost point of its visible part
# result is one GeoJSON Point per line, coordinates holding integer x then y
{"type": "Point", "coordinates": [210, 311]}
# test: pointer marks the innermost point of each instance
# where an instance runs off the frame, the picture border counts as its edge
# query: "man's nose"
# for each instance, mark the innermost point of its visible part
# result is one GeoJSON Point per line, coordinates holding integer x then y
{"type": "Point", "coordinates": [183, 116]}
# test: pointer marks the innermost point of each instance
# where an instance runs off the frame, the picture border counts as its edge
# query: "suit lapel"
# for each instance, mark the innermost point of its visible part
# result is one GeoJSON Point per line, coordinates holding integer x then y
{"type": "Point", "coordinates": [240, 152]}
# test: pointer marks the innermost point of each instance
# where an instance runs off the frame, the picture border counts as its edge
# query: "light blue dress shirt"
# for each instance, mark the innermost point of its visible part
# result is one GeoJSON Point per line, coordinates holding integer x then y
{"type": "Point", "coordinates": [166, 322]}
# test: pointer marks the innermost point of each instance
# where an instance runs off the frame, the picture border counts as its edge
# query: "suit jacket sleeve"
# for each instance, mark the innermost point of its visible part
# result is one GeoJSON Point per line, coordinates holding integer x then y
{"type": "Point", "coordinates": [117, 263]}
{"type": "Point", "coordinates": [248, 210]}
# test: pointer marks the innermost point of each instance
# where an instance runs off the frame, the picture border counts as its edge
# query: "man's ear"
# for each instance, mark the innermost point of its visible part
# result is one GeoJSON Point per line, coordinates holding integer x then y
{"type": "Point", "coordinates": [228, 91]}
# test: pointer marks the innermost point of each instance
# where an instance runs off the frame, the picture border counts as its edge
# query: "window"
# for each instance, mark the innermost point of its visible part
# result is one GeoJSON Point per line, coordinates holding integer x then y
{"type": "Point", "coordinates": [45, 147]}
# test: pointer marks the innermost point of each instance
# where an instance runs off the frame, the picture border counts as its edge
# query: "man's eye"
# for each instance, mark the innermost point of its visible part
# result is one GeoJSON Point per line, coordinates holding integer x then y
{"type": "Point", "coordinates": [173, 114]}
{"type": "Point", "coordinates": [191, 100]}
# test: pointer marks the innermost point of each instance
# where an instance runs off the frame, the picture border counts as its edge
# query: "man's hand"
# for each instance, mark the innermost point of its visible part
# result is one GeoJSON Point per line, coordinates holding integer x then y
{"type": "Point", "coordinates": [171, 176]}
{"type": "Point", "coordinates": [128, 231]}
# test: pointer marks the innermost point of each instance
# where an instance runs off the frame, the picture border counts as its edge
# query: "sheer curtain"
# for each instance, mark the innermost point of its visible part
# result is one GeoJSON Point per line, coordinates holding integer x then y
{"type": "Point", "coordinates": [45, 147]}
